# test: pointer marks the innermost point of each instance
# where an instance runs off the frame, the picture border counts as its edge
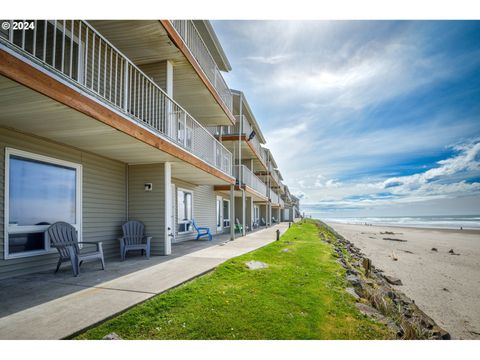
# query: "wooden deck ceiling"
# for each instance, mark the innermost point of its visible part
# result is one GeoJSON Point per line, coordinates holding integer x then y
{"type": "Point", "coordinates": [30, 112]}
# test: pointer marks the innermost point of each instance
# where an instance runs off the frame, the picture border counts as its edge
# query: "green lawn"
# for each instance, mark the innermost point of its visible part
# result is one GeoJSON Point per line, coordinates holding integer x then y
{"type": "Point", "coordinates": [299, 296]}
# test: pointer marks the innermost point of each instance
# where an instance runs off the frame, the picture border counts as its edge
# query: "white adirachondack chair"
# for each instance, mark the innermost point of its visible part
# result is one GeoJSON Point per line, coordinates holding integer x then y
{"type": "Point", "coordinates": [63, 237]}
{"type": "Point", "coordinates": [134, 238]}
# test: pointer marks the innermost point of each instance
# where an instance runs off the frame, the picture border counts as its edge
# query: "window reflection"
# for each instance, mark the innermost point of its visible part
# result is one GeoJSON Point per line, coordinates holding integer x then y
{"type": "Point", "coordinates": [41, 193]}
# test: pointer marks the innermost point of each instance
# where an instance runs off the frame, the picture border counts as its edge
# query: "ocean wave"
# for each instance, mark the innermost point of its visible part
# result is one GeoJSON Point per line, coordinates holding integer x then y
{"type": "Point", "coordinates": [445, 222]}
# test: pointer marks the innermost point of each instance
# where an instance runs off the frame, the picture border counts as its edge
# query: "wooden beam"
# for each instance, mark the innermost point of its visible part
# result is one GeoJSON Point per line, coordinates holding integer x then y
{"type": "Point", "coordinates": [237, 187]}
{"type": "Point", "coordinates": [25, 74]}
{"type": "Point", "coordinates": [244, 138]}
{"type": "Point", "coordinates": [179, 43]}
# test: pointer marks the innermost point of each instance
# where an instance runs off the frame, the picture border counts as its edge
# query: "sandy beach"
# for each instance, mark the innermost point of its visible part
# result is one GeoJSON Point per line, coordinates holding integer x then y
{"type": "Point", "coordinates": [446, 286]}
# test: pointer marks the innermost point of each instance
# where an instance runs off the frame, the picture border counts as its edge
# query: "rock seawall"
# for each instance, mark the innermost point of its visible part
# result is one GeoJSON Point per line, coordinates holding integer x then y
{"type": "Point", "coordinates": [376, 297]}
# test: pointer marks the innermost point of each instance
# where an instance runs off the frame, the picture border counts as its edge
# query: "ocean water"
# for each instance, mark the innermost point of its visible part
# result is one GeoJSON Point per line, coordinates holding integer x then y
{"type": "Point", "coordinates": [444, 222]}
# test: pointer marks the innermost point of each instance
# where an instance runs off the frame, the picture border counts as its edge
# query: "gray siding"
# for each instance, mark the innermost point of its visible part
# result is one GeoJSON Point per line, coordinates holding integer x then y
{"type": "Point", "coordinates": [204, 208]}
{"type": "Point", "coordinates": [157, 72]}
{"type": "Point", "coordinates": [148, 206]}
{"type": "Point", "coordinates": [263, 212]}
{"type": "Point", "coordinates": [238, 210]}
{"type": "Point", "coordinates": [249, 212]}
{"type": "Point", "coordinates": [103, 199]}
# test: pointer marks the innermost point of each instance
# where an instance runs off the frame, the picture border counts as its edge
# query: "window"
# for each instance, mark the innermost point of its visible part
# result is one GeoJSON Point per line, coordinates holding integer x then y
{"type": "Point", "coordinates": [184, 132]}
{"type": "Point", "coordinates": [226, 213]}
{"type": "Point", "coordinates": [184, 210]}
{"type": "Point", "coordinates": [39, 191]}
{"type": "Point", "coordinates": [256, 213]}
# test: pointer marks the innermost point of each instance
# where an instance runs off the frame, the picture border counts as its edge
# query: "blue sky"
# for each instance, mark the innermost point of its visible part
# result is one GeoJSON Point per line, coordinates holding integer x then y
{"type": "Point", "coordinates": [366, 118]}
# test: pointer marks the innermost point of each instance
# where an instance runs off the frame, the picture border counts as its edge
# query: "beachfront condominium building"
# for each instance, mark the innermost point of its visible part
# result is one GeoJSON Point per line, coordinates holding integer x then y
{"type": "Point", "coordinates": [106, 121]}
{"type": "Point", "coordinates": [258, 189]}
{"type": "Point", "coordinates": [291, 209]}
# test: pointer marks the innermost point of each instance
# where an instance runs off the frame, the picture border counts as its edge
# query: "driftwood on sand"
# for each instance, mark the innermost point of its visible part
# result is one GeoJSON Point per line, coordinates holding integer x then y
{"type": "Point", "coordinates": [393, 239]}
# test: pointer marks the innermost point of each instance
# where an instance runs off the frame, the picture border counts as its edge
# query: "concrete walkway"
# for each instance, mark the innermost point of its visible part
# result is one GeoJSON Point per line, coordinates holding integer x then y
{"type": "Point", "coordinates": [92, 302]}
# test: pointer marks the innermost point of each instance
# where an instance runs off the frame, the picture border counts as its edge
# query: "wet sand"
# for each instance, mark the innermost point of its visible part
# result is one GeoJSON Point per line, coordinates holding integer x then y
{"type": "Point", "coordinates": [444, 286]}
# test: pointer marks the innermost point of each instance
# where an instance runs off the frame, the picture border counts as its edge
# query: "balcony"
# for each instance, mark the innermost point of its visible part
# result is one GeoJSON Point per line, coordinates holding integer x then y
{"type": "Point", "coordinates": [191, 37]}
{"type": "Point", "coordinates": [273, 173]}
{"type": "Point", "coordinates": [243, 127]}
{"type": "Point", "coordinates": [246, 177]}
{"type": "Point", "coordinates": [274, 198]}
{"type": "Point", "coordinates": [76, 53]}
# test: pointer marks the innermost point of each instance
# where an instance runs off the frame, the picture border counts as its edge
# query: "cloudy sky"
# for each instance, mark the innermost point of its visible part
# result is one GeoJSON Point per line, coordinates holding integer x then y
{"type": "Point", "coordinates": [366, 118]}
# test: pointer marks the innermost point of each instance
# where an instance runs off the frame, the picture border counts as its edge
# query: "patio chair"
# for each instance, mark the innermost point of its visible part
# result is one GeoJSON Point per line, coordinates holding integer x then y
{"type": "Point", "coordinates": [238, 226]}
{"type": "Point", "coordinates": [202, 231]}
{"type": "Point", "coordinates": [63, 237]}
{"type": "Point", "coordinates": [134, 238]}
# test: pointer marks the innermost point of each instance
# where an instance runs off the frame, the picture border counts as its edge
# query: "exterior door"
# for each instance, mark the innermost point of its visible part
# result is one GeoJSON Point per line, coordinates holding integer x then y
{"type": "Point", "coordinates": [219, 214]}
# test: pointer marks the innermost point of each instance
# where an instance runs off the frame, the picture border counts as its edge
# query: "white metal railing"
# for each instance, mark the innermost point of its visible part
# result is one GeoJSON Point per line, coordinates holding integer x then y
{"type": "Point", "coordinates": [242, 126]}
{"type": "Point", "coordinates": [274, 198]}
{"type": "Point", "coordinates": [246, 177]}
{"type": "Point", "coordinates": [273, 173]}
{"type": "Point", "coordinates": [192, 38]}
{"type": "Point", "coordinates": [74, 50]}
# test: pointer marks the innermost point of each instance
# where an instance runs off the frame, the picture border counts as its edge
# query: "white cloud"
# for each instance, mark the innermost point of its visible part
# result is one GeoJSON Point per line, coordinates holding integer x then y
{"type": "Point", "coordinates": [447, 180]}
{"type": "Point", "coordinates": [465, 161]}
{"type": "Point", "coordinates": [270, 60]}
{"type": "Point", "coordinates": [319, 91]}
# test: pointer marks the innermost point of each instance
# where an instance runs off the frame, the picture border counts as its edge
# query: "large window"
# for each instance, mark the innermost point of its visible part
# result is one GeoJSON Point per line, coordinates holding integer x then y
{"type": "Point", "coordinates": [39, 191]}
{"type": "Point", "coordinates": [184, 210]}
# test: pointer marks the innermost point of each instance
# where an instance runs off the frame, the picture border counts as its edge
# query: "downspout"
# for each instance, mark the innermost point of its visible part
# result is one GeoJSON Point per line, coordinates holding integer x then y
{"type": "Point", "coordinates": [126, 192]}
{"type": "Point", "coordinates": [240, 167]}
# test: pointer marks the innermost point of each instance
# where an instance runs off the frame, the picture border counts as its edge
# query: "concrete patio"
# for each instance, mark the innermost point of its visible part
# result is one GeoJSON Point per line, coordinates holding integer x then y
{"type": "Point", "coordinates": [56, 306]}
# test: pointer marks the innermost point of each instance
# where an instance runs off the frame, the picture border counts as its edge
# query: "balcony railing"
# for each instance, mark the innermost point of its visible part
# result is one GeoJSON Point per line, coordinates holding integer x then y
{"type": "Point", "coordinates": [273, 173]}
{"type": "Point", "coordinates": [246, 177]}
{"type": "Point", "coordinates": [75, 51]}
{"type": "Point", "coordinates": [190, 35]}
{"type": "Point", "coordinates": [274, 198]}
{"type": "Point", "coordinates": [242, 126]}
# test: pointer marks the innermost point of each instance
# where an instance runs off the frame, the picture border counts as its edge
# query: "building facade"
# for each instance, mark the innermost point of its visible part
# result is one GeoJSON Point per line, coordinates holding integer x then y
{"type": "Point", "coordinates": [107, 121]}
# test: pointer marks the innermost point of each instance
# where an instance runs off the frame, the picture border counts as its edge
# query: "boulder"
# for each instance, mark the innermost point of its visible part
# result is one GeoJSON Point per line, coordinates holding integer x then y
{"type": "Point", "coordinates": [352, 292]}
{"type": "Point", "coordinates": [255, 265]}
{"type": "Point", "coordinates": [393, 280]}
{"type": "Point", "coordinates": [353, 279]}
{"type": "Point", "coordinates": [112, 336]}
{"type": "Point", "coordinates": [369, 310]}
{"type": "Point", "coordinates": [352, 272]}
